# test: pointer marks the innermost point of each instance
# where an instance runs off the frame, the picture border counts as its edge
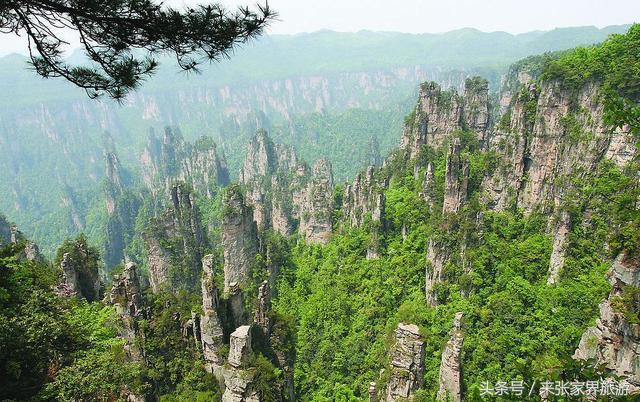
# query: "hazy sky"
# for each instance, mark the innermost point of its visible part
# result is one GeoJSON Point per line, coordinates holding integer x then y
{"type": "Point", "coordinates": [419, 16]}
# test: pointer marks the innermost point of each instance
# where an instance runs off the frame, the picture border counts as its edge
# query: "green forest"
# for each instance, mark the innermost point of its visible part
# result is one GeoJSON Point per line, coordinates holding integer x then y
{"type": "Point", "coordinates": [275, 266]}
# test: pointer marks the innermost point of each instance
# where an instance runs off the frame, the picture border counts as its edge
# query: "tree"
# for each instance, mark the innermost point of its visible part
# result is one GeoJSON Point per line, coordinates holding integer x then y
{"type": "Point", "coordinates": [122, 37]}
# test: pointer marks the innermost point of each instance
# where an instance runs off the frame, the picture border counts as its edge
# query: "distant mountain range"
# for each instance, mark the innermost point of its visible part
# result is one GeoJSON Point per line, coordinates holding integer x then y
{"type": "Point", "coordinates": [328, 93]}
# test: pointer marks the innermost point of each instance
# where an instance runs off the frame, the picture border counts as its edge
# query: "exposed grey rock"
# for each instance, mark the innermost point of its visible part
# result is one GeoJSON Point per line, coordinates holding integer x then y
{"type": "Point", "coordinates": [80, 276]}
{"type": "Point", "coordinates": [316, 219]}
{"type": "Point", "coordinates": [175, 236]}
{"type": "Point", "coordinates": [240, 346]}
{"type": "Point", "coordinates": [436, 258]}
{"type": "Point", "coordinates": [456, 179]}
{"type": "Point", "coordinates": [236, 304]}
{"type": "Point", "coordinates": [615, 341]}
{"type": "Point", "coordinates": [171, 160]}
{"type": "Point", "coordinates": [195, 329]}
{"type": "Point", "coordinates": [122, 208]}
{"type": "Point", "coordinates": [15, 234]}
{"type": "Point", "coordinates": [362, 198]}
{"type": "Point", "coordinates": [158, 262]}
{"type": "Point", "coordinates": [436, 117]}
{"type": "Point", "coordinates": [563, 134]}
{"type": "Point", "coordinates": [239, 386]}
{"type": "Point", "coordinates": [373, 392]}
{"type": "Point", "coordinates": [269, 174]}
{"type": "Point", "coordinates": [239, 239]}
{"type": "Point", "coordinates": [510, 139]}
{"type": "Point", "coordinates": [427, 186]}
{"type": "Point", "coordinates": [32, 252]}
{"type": "Point", "coordinates": [560, 238]}
{"type": "Point", "coordinates": [126, 297]}
{"type": "Point", "coordinates": [211, 332]}
{"type": "Point", "coordinates": [261, 317]}
{"type": "Point", "coordinates": [407, 363]}
{"type": "Point", "coordinates": [115, 181]}
{"type": "Point", "coordinates": [475, 106]}
{"type": "Point", "coordinates": [441, 113]}
{"type": "Point", "coordinates": [9, 234]}
{"type": "Point", "coordinates": [450, 369]}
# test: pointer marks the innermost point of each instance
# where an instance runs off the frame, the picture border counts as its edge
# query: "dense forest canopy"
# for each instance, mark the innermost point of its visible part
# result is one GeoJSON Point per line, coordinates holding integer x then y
{"type": "Point", "coordinates": [498, 242]}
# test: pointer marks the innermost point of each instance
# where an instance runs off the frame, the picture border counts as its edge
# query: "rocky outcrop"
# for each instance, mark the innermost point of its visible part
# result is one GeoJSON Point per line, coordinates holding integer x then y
{"type": "Point", "coordinates": [115, 181]}
{"type": "Point", "coordinates": [316, 220]}
{"type": "Point", "coordinates": [615, 340]}
{"type": "Point", "coordinates": [239, 239]}
{"type": "Point", "coordinates": [364, 203]}
{"type": "Point", "coordinates": [450, 369]}
{"type": "Point", "coordinates": [439, 114]}
{"type": "Point", "coordinates": [436, 258]}
{"type": "Point", "coordinates": [174, 242]}
{"type": "Point", "coordinates": [79, 272]}
{"type": "Point", "coordinates": [9, 234]}
{"type": "Point", "coordinates": [456, 179]}
{"type": "Point", "coordinates": [211, 331]}
{"type": "Point", "coordinates": [374, 158]}
{"type": "Point", "coordinates": [546, 134]}
{"type": "Point", "coordinates": [170, 159]}
{"type": "Point", "coordinates": [240, 245]}
{"type": "Point", "coordinates": [126, 297]}
{"type": "Point", "coordinates": [427, 193]}
{"type": "Point", "coordinates": [238, 379]}
{"type": "Point", "coordinates": [407, 363]}
{"type": "Point", "coordinates": [436, 117]}
{"type": "Point", "coordinates": [122, 208]}
{"type": "Point", "coordinates": [361, 199]}
{"type": "Point", "coordinates": [274, 178]}
{"type": "Point", "coordinates": [560, 235]}
{"type": "Point", "coordinates": [261, 317]}
{"type": "Point", "coordinates": [510, 139]}
{"type": "Point", "coordinates": [475, 107]}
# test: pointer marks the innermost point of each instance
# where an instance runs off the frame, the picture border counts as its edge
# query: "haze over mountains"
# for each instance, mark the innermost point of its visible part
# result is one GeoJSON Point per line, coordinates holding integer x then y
{"type": "Point", "coordinates": [341, 95]}
{"type": "Point", "coordinates": [331, 217]}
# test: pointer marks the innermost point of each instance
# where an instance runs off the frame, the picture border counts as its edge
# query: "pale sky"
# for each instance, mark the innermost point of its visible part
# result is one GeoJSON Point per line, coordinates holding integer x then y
{"type": "Point", "coordinates": [421, 16]}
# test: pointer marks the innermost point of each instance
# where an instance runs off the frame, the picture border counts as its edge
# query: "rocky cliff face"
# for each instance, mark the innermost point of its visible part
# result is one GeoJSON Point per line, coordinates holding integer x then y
{"type": "Point", "coordinates": [364, 198]}
{"type": "Point", "coordinates": [284, 193]}
{"type": "Point", "coordinates": [239, 239]}
{"type": "Point", "coordinates": [274, 178]}
{"type": "Point", "coordinates": [170, 159]}
{"type": "Point", "coordinates": [316, 218]}
{"type": "Point", "coordinates": [475, 107]}
{"type": "Point", "coordinates": [126, 297]}
{"type": "Point", "coordinates": [238, 379]}
{"type": "Point", "coordinates": [113, 174]}
{"type": "Point", "coordinates": [545, 134]}
{"type": "Point", "coordinates": [560, 234]}
{"type": "Point", "coordinates": [240, 244]}
{"type": "Point", "coordinates": [456, 179]}
{"type": "Point", "coordinates": [439, 114]}
{"type": "Point", "coordinates": [211, 330]}
{"type": "Point", "coordinates": [615, 340]}
{"type": "Point", "coordinates": [9, 234]}
{"type": "Point", "coordinates": [261, 316]}
{"type": "Point", "coordinates": [174, 242]}
{"type": "Point", "coordinates": [450, 368]}
{"type": "Point", "coordinates": [407, 364]}
{"type": "Point", "coordinates": [436, 258]}
{"type": "Point", "coordinates": [79, 273]}
{"type": "Point", "coordinates": [122, 207]}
